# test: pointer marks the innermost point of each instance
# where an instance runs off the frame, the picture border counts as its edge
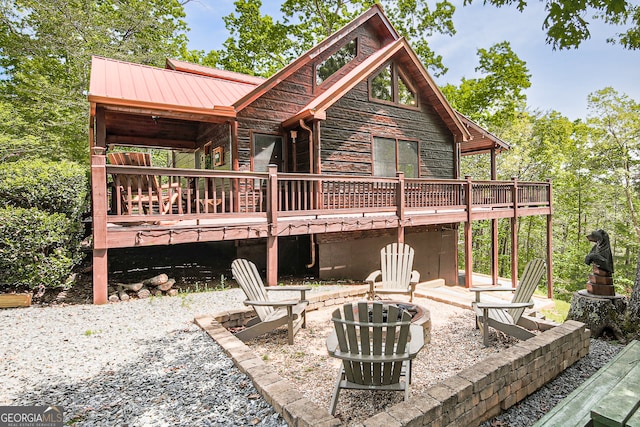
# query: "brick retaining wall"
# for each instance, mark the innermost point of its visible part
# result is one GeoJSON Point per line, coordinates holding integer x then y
{"type": "Point", "coordinates": [474, 395]}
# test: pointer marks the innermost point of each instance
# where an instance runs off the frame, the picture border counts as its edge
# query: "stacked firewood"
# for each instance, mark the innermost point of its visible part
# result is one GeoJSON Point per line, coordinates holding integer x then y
{"type": "Point", "coordinates": [156, 286]}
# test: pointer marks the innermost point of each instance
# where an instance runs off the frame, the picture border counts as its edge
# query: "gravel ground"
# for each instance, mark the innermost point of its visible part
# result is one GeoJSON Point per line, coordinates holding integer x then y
{"type": "Point", "coordinates": [144, 362]}
{"type": "Point", "coordinates": [137, 363]}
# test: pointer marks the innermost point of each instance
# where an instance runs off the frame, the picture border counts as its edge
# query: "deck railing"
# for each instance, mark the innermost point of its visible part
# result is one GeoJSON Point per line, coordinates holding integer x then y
{"type": "Point", "coordinates": [135, 192]}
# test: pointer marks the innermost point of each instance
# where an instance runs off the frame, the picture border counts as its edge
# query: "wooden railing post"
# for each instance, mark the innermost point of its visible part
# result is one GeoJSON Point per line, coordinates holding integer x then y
{"type": "Point", "coordinates": [514, 234]}
{"type": "Point", "coordinates": [99, 221]}
{"type": "Point", "coordinates": [550, 242]}
{"type": "Point", "coordinates": [400, 202]}
{"type": "Point", "coordinates": [272, 221]}
{"type": "Point", "coordinates": [468, 243]}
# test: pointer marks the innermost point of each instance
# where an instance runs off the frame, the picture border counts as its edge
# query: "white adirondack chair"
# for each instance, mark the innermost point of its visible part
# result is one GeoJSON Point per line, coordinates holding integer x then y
{"type": "Point", "coordinates": [507, 316]}
{"type": "Point", "coordinates": [395, 275]}
{"type": "Point", "coordinates": [270, 314]}
{"type": "Point", "coordinates": [376, 343]}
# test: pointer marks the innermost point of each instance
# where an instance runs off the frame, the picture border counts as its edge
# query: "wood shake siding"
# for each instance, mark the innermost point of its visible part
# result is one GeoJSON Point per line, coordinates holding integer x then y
{"type": "Point", "coordinates": [353, 121]}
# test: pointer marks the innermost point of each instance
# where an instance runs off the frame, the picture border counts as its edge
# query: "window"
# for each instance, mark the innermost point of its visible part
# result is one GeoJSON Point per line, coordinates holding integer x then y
{"type": "Point", "coordinates": [267, 149]}
{"type": "Point", "coordinates": [382, 85]}
{"type": "Point", "coordinates": [342, 57]}
{"type": "Point", "coordinates": [391, 86]}
{"type": "Point", "coordinates": [405, 94]}
{"type": "Point", "coordinates": [391, 155]}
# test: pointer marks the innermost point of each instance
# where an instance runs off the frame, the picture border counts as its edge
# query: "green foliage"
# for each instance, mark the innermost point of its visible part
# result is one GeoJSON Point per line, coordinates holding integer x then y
{"type": "Point", "coordinates": [45, 52]}
{"type": "Point", "coordinates": [496, 98]}
{"type": "Point", "coordinates": [35, 248]}
{"type": "Point", "coordinates": [567, 21]}
{"type": "Point", "coordinates": [558, 313]}
{"type": "Point", "coordinates": [53, 187]}
{"type": "Point", "coordinates": [40, 221]}
{"type": "Point", "coordinates": [260, 45]}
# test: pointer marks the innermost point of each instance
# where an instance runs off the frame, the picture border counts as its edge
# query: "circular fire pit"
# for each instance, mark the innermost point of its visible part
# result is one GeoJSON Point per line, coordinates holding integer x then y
{"type": "Point", "coordinates": [420, 316]}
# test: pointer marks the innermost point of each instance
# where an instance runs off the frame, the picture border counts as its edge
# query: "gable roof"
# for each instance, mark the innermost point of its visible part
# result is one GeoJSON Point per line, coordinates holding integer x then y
{"type": "Point", "coordinates": [187, 67]}
{"type": "Point", "coordinates": [481, 141]}
{"type": "Point", "coordinates": [318, 106]}
{"type": "Point", "coordinates": [374, 15]}
{"type": "Point", "coordinates": [125, 84]}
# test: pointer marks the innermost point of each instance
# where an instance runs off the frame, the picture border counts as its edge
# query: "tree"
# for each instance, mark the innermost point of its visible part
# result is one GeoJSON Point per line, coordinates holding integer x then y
{"type": "Point", "coordinates": [614, 123]}
{"type": "Point", "coordinates": [259, 45]}
{"type": "Point", "coordinates": [45, 51]}
{"type": "Point", "coordinates": [494, 99]}
{"type": "Point", "coordinates": [567, 23]}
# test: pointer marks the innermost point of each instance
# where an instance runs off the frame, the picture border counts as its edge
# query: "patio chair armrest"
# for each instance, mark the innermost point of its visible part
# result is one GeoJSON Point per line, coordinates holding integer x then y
{"type": "Point", "coordinates": [415, 277]}
{"type": "Point", "coordinates": [273, 303]}
{"type": "Point", "coordinates": [332, 343]}
{"type": "Point", "coordinates": [287, 288]}
{"type": "Point", "coordinates": [493, 289]}
{"type": "Point", "coordinates": [301, 289]}
{"type": "Point", "coordinates": [371, 278]}
{"type": "Point", "coordinates": [417, 340]}
{"type": "Point", "coordinates": [487, 305]}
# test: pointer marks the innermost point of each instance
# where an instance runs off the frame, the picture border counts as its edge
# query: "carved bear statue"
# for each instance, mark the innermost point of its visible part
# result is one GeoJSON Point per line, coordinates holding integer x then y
{"type": "Point", "coordinates": [600, 254]}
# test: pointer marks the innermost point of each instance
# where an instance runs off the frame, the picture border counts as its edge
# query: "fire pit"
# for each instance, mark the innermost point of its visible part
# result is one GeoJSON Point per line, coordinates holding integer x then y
{"type": "Point", "coordinates": [420, 316]}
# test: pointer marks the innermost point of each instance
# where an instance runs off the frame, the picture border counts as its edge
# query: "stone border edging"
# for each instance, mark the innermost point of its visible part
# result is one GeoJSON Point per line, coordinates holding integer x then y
{"type": "Point", "coordinates": [472, 396]}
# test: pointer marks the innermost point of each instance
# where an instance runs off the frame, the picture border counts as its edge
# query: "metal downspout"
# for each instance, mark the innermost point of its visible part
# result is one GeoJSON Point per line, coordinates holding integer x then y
{"type": "Point", "coordinates": [312, 249]}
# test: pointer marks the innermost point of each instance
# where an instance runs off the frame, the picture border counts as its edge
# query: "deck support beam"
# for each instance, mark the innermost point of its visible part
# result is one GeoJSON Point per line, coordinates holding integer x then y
{"type": "Point", "coordinates": [514, 235]}
{"type": "Point", "coordinates": [494, 226]}
{"type": "Point", "coordinates": [99, 219]}
{"type": "Point", "coordinates": [468, 232]}
{"type": "Point", "coordinates": [272, 221]}
{"type": "Point", "coordinates": [550, 244]}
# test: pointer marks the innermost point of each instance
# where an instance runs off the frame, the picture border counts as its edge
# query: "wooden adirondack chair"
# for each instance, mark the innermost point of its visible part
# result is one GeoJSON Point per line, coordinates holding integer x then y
{"type": "Point", "coordinates": [142, 192]}
{"type": "Point", "coordinates": [507, 316]}
{"type": "Point", "coordinates": [376, 343]}
{"type": "Point", "coordinates": [271, 314]}
{"type": "Point", "coordinates": [396, 262]}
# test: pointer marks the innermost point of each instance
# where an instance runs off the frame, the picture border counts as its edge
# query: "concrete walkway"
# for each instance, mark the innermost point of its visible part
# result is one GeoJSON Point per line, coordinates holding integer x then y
{"type": "Point", "coordinates": [462, 297]}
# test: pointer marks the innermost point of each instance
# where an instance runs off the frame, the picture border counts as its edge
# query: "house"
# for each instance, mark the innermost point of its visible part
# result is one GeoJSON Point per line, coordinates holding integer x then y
{"type": "Point", "coordinates": [350, 146]}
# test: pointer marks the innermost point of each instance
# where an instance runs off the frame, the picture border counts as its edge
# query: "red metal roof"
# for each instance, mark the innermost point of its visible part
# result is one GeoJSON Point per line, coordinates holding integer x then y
{"type": "Point", "coordinates": [127, 84]}
{"type": "Point", "coordinates": [188, 67]}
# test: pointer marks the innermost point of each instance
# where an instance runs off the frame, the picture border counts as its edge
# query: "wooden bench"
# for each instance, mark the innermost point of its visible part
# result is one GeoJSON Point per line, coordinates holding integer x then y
{"type": "Point", "coordinates": [610, 397]}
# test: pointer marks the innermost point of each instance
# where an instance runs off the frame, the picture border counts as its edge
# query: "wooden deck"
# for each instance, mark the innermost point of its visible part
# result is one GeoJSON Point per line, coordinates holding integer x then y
{"type": "Point", "coordinates": [189, 205]}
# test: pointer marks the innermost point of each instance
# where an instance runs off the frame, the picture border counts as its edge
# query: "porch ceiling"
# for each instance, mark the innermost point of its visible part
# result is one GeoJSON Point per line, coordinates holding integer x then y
{"type": "Point", "coordinates": [150, 130]}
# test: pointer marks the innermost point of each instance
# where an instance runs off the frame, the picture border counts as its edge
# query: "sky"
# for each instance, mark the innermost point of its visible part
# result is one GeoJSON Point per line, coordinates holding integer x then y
{"type": "Point", "coordinates": [561, 80]}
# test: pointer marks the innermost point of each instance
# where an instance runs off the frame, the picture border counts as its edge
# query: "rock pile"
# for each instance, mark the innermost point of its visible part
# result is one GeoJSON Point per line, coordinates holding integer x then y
{"type": "Point", "coordinates": [156, 286]}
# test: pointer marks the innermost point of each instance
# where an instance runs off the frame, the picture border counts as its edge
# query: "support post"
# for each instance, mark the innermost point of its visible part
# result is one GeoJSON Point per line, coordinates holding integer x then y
{"type": "Point", "coordinates": [99, 221]}
{"type": "Point", "coordinates": [272, 220]}
{"type": "Point", "coordinates": [494, 226]}
{"type": "Point", "coordinates": [468, 244]}
{"type": "Point", "coordinates": [550, 243]}
{"type": "Point", "coordinates": [514, 234]}
{"type": "Point", "coordinates": [400, 200]}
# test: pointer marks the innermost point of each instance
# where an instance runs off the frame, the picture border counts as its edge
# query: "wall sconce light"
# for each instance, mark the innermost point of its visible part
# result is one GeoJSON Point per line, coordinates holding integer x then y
{"type": "Point", "coordinates": [294, 135]}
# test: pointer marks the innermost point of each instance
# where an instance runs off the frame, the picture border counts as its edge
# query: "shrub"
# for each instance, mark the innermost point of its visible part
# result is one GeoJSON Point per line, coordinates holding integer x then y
{"type": "Point", "coordinates": [36, 247]}
{"type": "Point", "coordinates": [54, 187]}
{"type": "Point", "coordinates": [41, 207]}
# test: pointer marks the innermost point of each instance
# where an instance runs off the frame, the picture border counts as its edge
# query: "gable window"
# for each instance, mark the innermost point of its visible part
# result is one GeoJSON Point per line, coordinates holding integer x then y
{"type": "Point", "coordinates": [391, 86]}
{"type": "Point", "coordinates": [342, 57]}
{"type": "Point", "coordinates": [391, 155]}
{"type": "Point", "coordinates": [382, 85]}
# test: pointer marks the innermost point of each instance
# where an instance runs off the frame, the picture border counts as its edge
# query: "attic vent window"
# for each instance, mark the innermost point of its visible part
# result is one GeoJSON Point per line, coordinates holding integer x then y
{"type": "Point", "coordinates": [390, 85]}
{"type": "Point", "coordinates": [342, 57]}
